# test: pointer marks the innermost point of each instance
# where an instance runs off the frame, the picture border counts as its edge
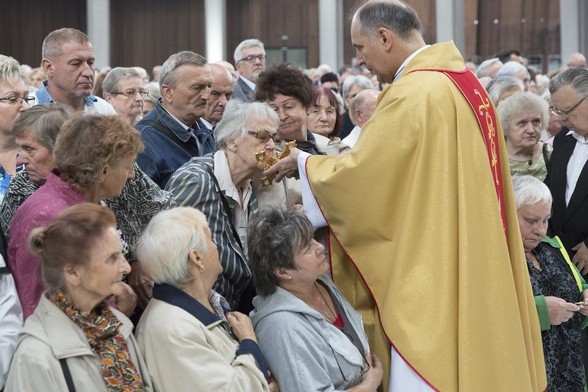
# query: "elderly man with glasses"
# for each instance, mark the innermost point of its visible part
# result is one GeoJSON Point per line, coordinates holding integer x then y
{"type": "Point", "coordinates": [249, 62]}
{"type": "Point", "coordinates": [567, 176]}
{"type": "Point", "coordinates": [123, 89]}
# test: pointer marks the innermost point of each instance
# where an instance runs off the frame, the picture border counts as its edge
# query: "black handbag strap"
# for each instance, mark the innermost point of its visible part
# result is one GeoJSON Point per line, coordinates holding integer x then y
{"type": "Point", "coordinates": [67, 375]}
{"type": "Point", "coordinates": [225, 205]}
{"type": "Point", "coordinates": [190, 148]}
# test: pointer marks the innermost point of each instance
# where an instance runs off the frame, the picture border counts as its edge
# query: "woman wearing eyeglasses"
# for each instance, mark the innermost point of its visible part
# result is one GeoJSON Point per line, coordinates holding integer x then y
{"type": "Point", "coordinates": [219, 185]}
{"type": "Point", "coordinates": [123, 89]}
{"type": "Point", "coordinates": [13, 101]}
{"type": "Point", "coordinates": [310, 335]}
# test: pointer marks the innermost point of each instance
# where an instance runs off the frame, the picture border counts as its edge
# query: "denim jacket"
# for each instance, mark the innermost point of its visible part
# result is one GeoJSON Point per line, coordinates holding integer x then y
{"type": "Point", "coordinates": [162, 156]}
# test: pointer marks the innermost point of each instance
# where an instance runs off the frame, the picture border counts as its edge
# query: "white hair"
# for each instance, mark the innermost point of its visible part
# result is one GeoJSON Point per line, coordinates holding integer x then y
{"type": "Point", "coordinates": [165, 244]}
{"type": "Point", "coordinates": [529, 190]}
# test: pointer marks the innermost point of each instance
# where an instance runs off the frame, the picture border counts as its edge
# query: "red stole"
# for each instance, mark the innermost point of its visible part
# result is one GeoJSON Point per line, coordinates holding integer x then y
{"type": "Point", "coordinates": [483, 109]}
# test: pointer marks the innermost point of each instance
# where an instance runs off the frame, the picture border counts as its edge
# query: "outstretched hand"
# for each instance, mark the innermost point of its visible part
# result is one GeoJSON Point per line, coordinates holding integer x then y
{"type": "Point", "coordinates": [285, 167]}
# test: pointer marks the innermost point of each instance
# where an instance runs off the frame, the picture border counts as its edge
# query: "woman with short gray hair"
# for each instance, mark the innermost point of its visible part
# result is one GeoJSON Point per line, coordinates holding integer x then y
{"type": "Point", "coordinates": [188, 337]}
{"type": "Point", "coordinates": [561, 294]}
{"type": "Point", "coordinates": [123, 89]}
{"type": "Point", "coordinates": [219, 185]}
{"type": "Point", "coordinates": [523, 117]}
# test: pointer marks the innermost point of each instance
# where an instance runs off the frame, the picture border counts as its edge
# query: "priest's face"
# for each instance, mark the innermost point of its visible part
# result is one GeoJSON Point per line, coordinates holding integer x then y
{"type": "Point", "coordinates": [371, 52]}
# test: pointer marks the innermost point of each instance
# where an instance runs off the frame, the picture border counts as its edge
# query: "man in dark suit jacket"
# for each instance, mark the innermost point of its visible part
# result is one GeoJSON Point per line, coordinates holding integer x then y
{"type": "Point", "coordinates": [249, 62]}
{"type": "Point", "coordinates": [567, 176]}
{"type": "Point", "coordinates": [567, 173]}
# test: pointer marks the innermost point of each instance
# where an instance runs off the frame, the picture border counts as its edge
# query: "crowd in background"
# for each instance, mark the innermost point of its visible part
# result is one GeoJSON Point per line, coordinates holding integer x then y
{"type": "Point", "coordinates": [132, 201]}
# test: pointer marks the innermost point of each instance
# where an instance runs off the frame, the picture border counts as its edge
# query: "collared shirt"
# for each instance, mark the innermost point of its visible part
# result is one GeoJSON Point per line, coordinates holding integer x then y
{"type": "Point", "coordinates": [162, 156]}
{"type": "Point", "coordinates": [194, 130]}
{"type": "Point", "coordinates": [575, 164]}
{"type": "Point", "coordinates": [207, 124]}
{"type": "Point", "coordinates": [248, 82]}
{"type": "Point", "coordinates": [92, 103]}
{"type": "Point", "coordinates": [241, 209]}
{"type": "Point", "coordinates": [408, 59]}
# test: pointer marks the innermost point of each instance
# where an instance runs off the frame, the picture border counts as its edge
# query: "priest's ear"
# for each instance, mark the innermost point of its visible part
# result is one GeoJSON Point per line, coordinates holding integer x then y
{"type": "Point", "coordinates": [385, 37]}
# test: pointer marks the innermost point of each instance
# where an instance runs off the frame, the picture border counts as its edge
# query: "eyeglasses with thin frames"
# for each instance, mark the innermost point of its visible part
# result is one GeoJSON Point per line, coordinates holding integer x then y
{"type": "Point", "coordinates": [17, 100]}
{"type": "Point", "coordinates": [565, 113]}
{"type": "Point", "coordinates": [131, 93]}
{"type": "Point", "coordinates": [252, 57]}
{"type": "Point", "coordinates": [264, 136]}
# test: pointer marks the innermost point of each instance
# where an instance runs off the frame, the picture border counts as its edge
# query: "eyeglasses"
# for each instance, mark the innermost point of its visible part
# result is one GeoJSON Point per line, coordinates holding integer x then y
{"type": "Point", "coordinates": [131, 93]}
{"type": "Point", "coordinates": [264, 136]}
{"type": "Point", "coordinates": [565, 113]}
{"type": "Point", "coordinates": [17, 100]}
{"type": "Point", "coordinates": [252, 57]}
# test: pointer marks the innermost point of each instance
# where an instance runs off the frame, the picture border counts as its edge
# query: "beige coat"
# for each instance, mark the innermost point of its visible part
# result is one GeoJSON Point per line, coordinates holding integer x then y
{"type": "Point", "coordinates": [48, 336]}
{"type": "Point", "coordinates": [183, 354]}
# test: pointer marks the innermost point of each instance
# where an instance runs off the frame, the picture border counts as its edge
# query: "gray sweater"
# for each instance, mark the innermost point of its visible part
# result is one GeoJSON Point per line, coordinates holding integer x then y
{"type": "Point", "coordinates": [303, 350]}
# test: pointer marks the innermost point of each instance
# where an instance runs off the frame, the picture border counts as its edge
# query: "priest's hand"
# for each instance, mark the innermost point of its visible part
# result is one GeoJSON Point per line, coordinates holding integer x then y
{"type": "Point", "coordinates": [285, 167]}
{"type": "Point", "coordinates": [581, 257]}
{"type": "Point", "coordinates": [559, 310]}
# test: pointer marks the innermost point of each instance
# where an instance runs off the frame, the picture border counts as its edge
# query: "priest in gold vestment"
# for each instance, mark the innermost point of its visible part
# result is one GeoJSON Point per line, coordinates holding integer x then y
{"type": "Point", "coordinates": [424, 232]}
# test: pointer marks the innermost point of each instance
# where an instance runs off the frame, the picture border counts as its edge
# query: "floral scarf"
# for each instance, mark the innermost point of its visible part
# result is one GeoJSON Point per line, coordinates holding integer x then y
{"type": "Point", "coordinates": [101, 328]}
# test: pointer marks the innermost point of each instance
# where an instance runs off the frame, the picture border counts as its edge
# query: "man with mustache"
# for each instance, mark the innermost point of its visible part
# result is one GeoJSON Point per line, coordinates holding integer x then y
{"type": "Point", "coordinates": [68, 59]}
{"type": "Point", "coordinates": [249, 62]}
{"type": "Point", "coordinates": [172, 132]}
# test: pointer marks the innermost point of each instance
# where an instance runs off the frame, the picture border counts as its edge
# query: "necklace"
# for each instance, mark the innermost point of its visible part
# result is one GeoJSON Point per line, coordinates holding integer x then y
{"type": "Point", "coordinates": [328, 313]}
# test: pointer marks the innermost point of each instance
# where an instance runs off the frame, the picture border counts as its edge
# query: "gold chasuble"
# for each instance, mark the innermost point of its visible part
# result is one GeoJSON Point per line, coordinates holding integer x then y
{"type": "Point", "coordinates": [417, 228]}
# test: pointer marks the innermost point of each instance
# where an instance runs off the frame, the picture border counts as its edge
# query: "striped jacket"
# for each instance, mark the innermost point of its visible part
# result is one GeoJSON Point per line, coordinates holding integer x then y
{"type": "Point", "coordinates": [193, 186]}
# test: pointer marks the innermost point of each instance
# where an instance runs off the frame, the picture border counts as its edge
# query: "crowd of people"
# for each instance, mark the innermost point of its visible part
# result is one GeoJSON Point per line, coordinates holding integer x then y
{"type": "Point", "coordinates": [404, 224]}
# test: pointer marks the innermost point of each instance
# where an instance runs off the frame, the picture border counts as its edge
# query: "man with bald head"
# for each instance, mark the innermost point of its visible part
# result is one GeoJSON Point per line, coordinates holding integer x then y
{"type": "Point", "coordinates": [425, 241]}
{"type": "Point", "coordinates": [577, 60]}
{"type": "Point", "coordinates": [221, 92]}
{"type": "Point", "coordinates": [360, 111]}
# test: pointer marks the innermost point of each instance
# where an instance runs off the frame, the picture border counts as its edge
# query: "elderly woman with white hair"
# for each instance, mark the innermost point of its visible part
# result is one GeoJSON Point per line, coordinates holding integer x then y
{"type": "Point", "coordinates": [523, 117]}
{"type": "Point", "coordinates": [561, 294]}
{"type": "Point", "coordinates": [220, 185]}
{"type": "Point", "coordinates": [189, 339]}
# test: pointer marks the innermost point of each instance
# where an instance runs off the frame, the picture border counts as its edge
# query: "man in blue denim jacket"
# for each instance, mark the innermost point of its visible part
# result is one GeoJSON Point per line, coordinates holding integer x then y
{"type": "Point", "coordinates": [172, 132]}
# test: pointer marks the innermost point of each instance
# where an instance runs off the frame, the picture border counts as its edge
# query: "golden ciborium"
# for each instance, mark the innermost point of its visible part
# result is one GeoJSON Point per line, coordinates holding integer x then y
{"type": "Point", "coordinates": [270, 160]}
